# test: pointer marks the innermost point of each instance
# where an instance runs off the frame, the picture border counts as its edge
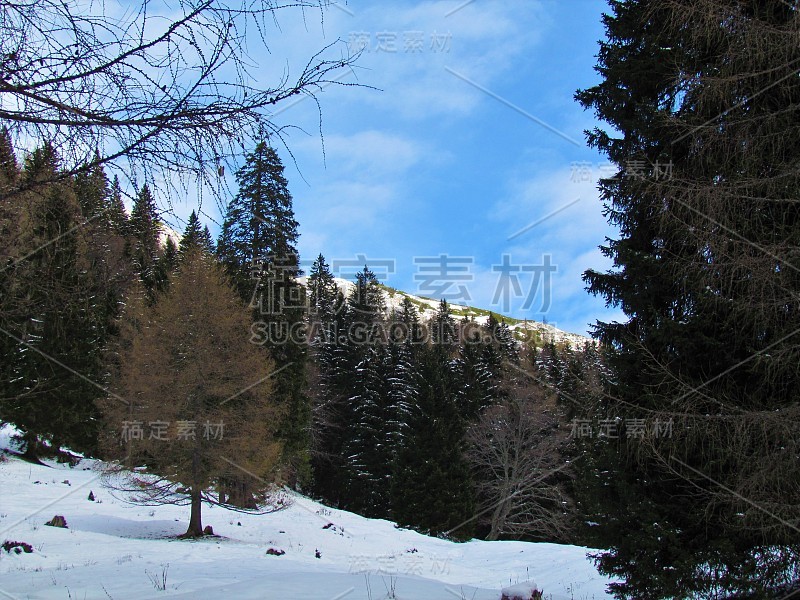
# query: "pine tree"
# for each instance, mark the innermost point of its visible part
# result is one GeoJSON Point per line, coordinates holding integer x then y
{"type": "Point", "coordinates": [55, 367]}
{"type": "Point", "coordinates": [11, 249]}
{"type": "Point", "coordinates": [431, 490]}
{"type": "Point", "coordinates": [144, 228]}
{"type": "Point", "coordinates": [167, 263]}
{"type": "Point", "coordinates": [332, 413]}
{"type": "Point", "coordinates": [207, 241]}
{"type": "Point", "coordinates": [117, 214]}
{"type": "Point", "coordinates": [322, 291]}
{"type": "Point", "coordinates": [259, 222]}
{"type": "Point", "coordinates": [404, 377]}
{"type": "Point", "coordinates": [258, 248]}
{"type": "Point", "coordinates": [193, 236]}
{"type": "Point", "coordinates": [704, 129]}
{"type": "Point", "coordinates": [366, 450]}
{"type": "Point", "coordinates": [9, 168]}
{"type": "Point", "coordinates": [92, 190]}
{"type": "Point", "coordinates": [367, 446]}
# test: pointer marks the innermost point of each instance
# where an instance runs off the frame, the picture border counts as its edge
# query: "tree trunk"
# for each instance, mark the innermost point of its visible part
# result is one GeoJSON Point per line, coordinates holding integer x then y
{"type": "Point", "coordinates": [195, 522]}
{"type": "Point", "coordinates": [499, 516]}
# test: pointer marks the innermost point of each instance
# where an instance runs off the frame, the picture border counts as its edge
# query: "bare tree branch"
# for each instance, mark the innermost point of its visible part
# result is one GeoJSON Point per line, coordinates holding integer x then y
{"type": "Point", "coordinates": [169, 99]}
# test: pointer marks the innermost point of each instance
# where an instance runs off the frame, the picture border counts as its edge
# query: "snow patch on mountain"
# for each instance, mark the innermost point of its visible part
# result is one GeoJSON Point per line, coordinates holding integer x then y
{"type": "Point", "coordinates": [522, 328]}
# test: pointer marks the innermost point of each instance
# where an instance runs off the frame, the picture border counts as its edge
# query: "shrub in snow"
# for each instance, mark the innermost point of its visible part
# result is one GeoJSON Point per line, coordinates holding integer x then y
{"type": "Point", "coordinates": [17, 547]}
{"type": "Point", "coordinates": [274, 552]}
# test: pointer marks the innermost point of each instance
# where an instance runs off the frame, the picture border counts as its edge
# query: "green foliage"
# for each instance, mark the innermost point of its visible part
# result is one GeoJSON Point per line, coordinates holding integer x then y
{"type": "Point", "coordinates": [56, 311]}
{"type": "Point", "coordinates": [144, 227]}
{"type": "Point", "coordinates": [258, 248]}
{"type": "Point", "coordinates": [701, 269]}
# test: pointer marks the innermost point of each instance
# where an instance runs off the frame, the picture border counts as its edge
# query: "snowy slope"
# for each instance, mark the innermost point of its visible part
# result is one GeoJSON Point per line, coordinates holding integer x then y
{"type": "Point", "coordinates": [112, 550]}
{"type": "Point", "coordinates": [427, 307]}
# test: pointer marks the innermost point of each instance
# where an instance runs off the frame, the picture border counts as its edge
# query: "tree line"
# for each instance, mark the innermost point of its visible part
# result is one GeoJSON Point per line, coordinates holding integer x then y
{"type": "Point", "coordinates": [121, 344]}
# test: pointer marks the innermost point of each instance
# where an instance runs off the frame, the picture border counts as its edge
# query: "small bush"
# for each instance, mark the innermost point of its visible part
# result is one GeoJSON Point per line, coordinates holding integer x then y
{"type": "Point", "coordinates": [17, 547]}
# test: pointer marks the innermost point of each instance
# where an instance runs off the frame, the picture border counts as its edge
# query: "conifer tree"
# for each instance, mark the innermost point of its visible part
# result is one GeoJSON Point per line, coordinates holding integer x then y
{"type": "Point", "coordinates": [367, 446]}
{"type": "Point", "coordinates": [117, 214]}
{"type": "Point", "coordinates": [218, 411]}
{"type": "Point", "coordinates": [9, 168]}
{"type": "Point", "coordinates": [431, 490]}
{"type": "Point", "coordinates": [322, 291]}
{"type": "Point", "coordinates": [328, 339]}
{"type": "Point", "coordinates": [168, 262]}
{"type": "Point", "coordinates": [11, 249]}
{"type": "Point", "coordinates": [144, 229]}
{"type": "Point", "coordinates": [404, 377]}
{"type": "Point", "coordinates": [57, 325]}
{"type": "Point", "coordinates": [701, 99]}
{"type": "Point", "coordinates": [207, 241]}
{"type": "Point", "coordinates": [258, 248]}
{"type": "Point", "coordinates": [193, 236]}
{"type": "Point", "coordinates": [92, 191]}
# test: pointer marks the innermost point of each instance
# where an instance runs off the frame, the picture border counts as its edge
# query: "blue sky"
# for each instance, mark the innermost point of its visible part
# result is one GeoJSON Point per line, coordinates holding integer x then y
{"type": "Point", "coordinates": [471, 148]}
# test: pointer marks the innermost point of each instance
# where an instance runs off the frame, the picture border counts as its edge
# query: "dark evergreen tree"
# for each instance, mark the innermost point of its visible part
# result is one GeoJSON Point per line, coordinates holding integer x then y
{"type": "Point", "coordinates": [9, 168]}
{"type": "Point", "coordinates": [12, 294]}
{"type": "Point", "coordinates": [258, 248]}
{"type": "Point", "coordinates": [484, 357]}
{"type": "Point", "coordinates": [332, 414]}
{"type": "Point", "coordinates": [144, 229]}
{"type": "Point", "coordinates": [58, 325]}
{"type": "Point", "coordinates": [92, 191]}
{"type": "Point", "coordinates": [367, 446]}
{"type": "Point", "coordinates": [431, 489]}
{"type": "Point", "coordinates": [703, 105]}
{"type": "Point", "coordinates": [207, 241]}
{"type": "Point", "coordinates": [117, 214]}
{"type": "Point", "coordinates": [405, 340]}
{"type": "Point", "coordinates": [193, 236]}
{"type": "Point", "coordinates": [322, 291]}
{"type": "Point", "coordinates": [167, 263]}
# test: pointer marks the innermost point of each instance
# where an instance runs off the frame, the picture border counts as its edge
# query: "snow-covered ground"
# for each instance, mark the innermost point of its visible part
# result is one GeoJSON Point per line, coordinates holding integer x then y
{"type": "Point", "coordinates": [112, 549]}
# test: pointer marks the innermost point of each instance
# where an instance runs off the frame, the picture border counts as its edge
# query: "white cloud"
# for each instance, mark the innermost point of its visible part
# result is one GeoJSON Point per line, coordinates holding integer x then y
{"type": "Point", "coordinates": [364, 183]}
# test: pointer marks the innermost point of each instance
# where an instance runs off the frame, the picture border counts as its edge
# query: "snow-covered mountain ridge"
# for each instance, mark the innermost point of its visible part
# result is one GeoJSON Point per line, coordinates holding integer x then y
{"type": "Point", "coordinates": [522, 329]}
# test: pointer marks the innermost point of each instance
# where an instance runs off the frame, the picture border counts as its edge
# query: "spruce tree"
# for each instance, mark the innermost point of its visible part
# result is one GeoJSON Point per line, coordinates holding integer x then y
{"type": "Point", "coordinates": [144, 228]}
{"type": "Point", "coordinates": [9, 168]}
{"type": "Point", "coordinates": [55, 370]}
{"type": "Point", "coordinates": [117, 214]}
{"type": "Point", "coordinates": [193, 236]}
{"type": "Point", "coordinates": [207, 241]}
{"type": "Point", "coordinates": [431, 490]}
{"type": "Point", "coordinates": [322, 291]}
{"type": "Point", "coordinates": [328, 339]}
{"type": "Point", "coordinates": [702, 104]}
{"type": "Point", "coordinates": [366, 447]}
{"type": "Point", "coordinates": [258, 248]}
{"type": "Point", "coordinates": [92, 190]}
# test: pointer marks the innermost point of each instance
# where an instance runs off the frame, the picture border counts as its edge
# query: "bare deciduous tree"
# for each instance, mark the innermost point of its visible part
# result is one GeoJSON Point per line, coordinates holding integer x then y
{"type": "Point", "coordinates": [153, 96]}
{"type": "Point", "coordinates": [514, 449]}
